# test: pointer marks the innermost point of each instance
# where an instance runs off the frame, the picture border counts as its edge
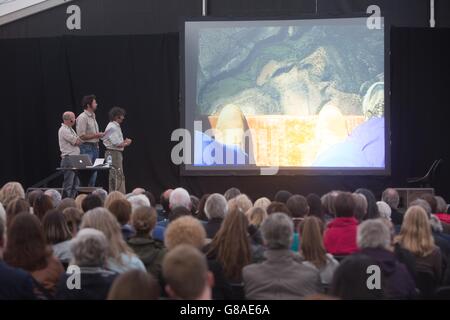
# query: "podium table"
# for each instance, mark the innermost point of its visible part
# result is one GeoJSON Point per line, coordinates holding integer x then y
{"type": "Point", "coordinates": [84, 174]}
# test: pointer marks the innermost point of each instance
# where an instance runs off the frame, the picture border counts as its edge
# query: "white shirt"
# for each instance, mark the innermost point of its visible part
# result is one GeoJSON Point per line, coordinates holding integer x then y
{"type": "Point", "coordinates": [114, 138]}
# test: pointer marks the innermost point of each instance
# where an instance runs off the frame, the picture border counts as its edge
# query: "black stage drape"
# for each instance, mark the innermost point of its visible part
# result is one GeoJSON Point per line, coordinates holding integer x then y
{"type": "Point", "coordinates": [40, 78]}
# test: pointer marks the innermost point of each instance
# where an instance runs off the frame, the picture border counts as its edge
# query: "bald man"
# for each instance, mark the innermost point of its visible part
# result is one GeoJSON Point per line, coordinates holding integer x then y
{"type": "Point", "coordinates": [69, 143]}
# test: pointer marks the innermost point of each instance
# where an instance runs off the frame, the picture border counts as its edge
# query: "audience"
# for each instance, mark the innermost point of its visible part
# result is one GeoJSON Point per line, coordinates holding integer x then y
{"type": "Point", "coordinates": [150, 251]}
{"type": "Point", "coordinates": [360, 211]}
{"type": "Point", "coordinates": [201, 214]}
{"type": "Point", "coordinates": [121, 209]}
{"type": "Point", "coordinates": [372, 209]}
{"type": "Point", "coordinates": [89, 250]}
{"type": "Point", "coordinates": [120, 256]}
{"type": "Point", "coordinates": [11, 191]}
{"type": "Point", "coordinates": [262, 203]}
{"type": "Point", "coordinates": [384, 210]}
{"type": "Point", "coordinates": [66, 203]}
{"type": "Point", "coordinates": [315, 206]}
{"type": "Point", "coordinates": [179, 198]}
{"type": "Point", "coordinates": [441, 210]}
{"type": "Point", "coordinates": [392, 198]}
{"type": "Point", "coordinates": [242, 202]}
{"type": "Point", "coordinates": [42, 205]}
{"type": "Point", "coordinates": [134, 285]}
{"type": "Point", "coordinates": [282, 196]}
{"type": "Point", "coordinates": [278, 207]}
{"type": "Point", "coordinates": [231, 193]}
{"type": "Point", "coordinates": [15, 207]}
{"type": "Point", "coordinates": [186, 274]}
{"type": "Point", "coordinates": [73, 219]}
{"type": "Point", "coordinates": [31, 197]}
{"type": "Point", "coordinates": [58, 235]}
{"type": "Point", "coordinates": [112, 196]}
{"type": "Point", "coordinates": [137, 201]}
{"type": "Point", "coordinates": [216, 208]}
{"type": "Point", "coordinates": [79, 200]}
{"type": "Point", "coordinates": [327, 200]}
{"type": "Point", "coordinates": [101, 193]}
{"type": "Point", "coordinates": [55, 196]}
{"type": "Point", "coordinates": [299, 208]}
{"type": "Point", "coordinates": [91, 202]}
{"type": "Point", "coordinates": [340, 234]}
{"type": "Point", "coordinates": [282, 275]}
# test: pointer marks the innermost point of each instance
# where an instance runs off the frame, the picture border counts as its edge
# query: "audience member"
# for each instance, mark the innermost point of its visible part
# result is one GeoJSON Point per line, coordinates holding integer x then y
{"type": "Point", "coordinates": [134, 285]}
{"type": "Point", "coordinates": [91, 202]}
{"type": "Point", "coordinates": [55, 196]}
{"type": "Point", "coordinates": [121, 209]}
{"type": "Point", "coordinates": [216, 208]}
{"type": "Point", "coordinates": [58, 235]}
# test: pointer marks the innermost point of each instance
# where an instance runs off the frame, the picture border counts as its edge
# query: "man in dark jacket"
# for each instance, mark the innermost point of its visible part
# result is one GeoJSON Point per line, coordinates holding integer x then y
{"type": "Point", "coordinates": [215, 208]}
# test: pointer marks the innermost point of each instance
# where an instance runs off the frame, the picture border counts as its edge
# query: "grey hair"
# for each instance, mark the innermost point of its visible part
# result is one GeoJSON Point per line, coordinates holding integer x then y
{"type": "Point", "coordinates": [384, 209]}
{"type": "Point", "coordinates": [139, 201]}
{"type": "Point", "coordinates": [179, 198]}
{"type": "Point", "coordinates": [216, 206]}
{"type": "Point", "coordinates": [278, 231]}
{"type": "Point", "coordinates": [423, 204]}
{"type": "Point", "coordinates": [55, 195]}
{"type": "Point", "coordinates": [101, 193]}
{"type": "Point", "coordinates": [391, 197]}
{"type": "Point", "coordinates": [360, 206]}
{"type": "Point", "coordinates": [89, 248]}
{"type": "Point", "coordinates": [373, 233]}
{"type": "Point", "coordinates": [441, 204]}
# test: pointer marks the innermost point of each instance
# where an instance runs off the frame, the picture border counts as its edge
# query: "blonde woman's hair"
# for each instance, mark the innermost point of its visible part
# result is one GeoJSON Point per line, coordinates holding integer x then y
{"type": "Point", "coordinates": [262, 203]}
{"type": "Point", "coordinates": [112, 196]}
{"type": "Point", "coordinates": [311, 243]}
{"type": "Point", "coordinates": [256, 216]}
{"type": "Point", "coordinates": [415, 234]}
{"type": "Point", "coordinates": [103, 220]}
{"type": "Point", "coordinates": [11, 191]}
{"type": "Point", "coordinates": [79, 200]}
{"type": "Point", "coordinates": [185, 230]}
{"type": "Point", "coordinates": [241, 202]}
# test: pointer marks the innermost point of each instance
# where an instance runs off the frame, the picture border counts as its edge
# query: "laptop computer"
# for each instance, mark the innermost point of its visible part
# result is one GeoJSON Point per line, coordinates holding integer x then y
{"type": "Point", "coordinates": [80, 161]}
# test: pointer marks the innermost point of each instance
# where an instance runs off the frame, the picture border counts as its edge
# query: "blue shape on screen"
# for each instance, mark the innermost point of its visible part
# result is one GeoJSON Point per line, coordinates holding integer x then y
{"type": "Point", "coordinates": [365, 147]}
{"type": "Point", "coordinates": [204, 158]}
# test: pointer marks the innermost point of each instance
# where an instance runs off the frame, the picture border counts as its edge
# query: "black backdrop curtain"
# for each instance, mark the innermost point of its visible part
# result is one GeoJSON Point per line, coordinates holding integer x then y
{"type": "Point", "coordinates": [40, 78]}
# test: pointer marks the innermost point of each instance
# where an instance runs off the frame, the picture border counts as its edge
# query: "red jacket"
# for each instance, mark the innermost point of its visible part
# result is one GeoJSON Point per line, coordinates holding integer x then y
{"type": "Point", "coordinates": [444, 217]}
{"type": "Point", "coordinates": [340, 236]}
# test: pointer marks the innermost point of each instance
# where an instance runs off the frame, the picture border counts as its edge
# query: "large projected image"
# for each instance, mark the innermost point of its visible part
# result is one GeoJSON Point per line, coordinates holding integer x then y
{"type": "Point", "coordinates": [291, 93]}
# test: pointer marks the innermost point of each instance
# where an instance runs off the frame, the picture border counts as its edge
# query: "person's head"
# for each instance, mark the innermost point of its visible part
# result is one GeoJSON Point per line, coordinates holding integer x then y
{"type": "Point", "coordinates": [373, 234]}
{"type": "Point", "coordinates": [262, 203]}
{"type": "Point", "coordinates": [186, 273]}
{"type": "Point", "coordinates": [360, 211]}
{"type": "Point", "coordinates": [179, 198]}
{"type": "Point", "coordinates": [55, 227]}
{"type": "Point", "coordinates": [31, 196]}
{"type": "Point", "coordinates": [91, 202]}
{"type": "Point", "coordinates": [67, 203]}
{"type": "Point", "coordinates": [277, 231]}
{"type": "Point", "coordinates": [391, 197]}
{"type": "Point", "coordinates": [372, 209]}
{"type": "Point", "coordinates": [194, 204]}
{"type": "Point", "coordinates": [26, 247]}
{"type": "Point", "coordinates": [344, 205]}
{"type": "Point", "coordinates": [415, 234]}
{"type": "Point", "coordinates": [68, 118]}
{"type": "Point", "coordinates": [242, 202]}
{"type": "Point", "coordinates": [350, 279]}
{"type": "Point", "coordinates": [164, 199]}
{"type": "Point", "coordinates": [42, 205]}
{"type": "Point", "coordinates": [11, 191]}
{"type": "Point", "coordinates": [315, 205]}
{"type": "Point", "coordinates": [89, 248]}
{"type": "Point", "coordinates": [428, 197]}
{"type": "Point", "coordinates": [231, 193]}
{"type": "Point", "coordinates": [311, 244]}
{"type": "Point", "coordinates": [101, 193]}
{"type": "Point", "coordinates": [216, 206]}
{"type": "Point", "coordinates": [282, 196]}
{"type": "Point", "coordinates": [112, 196]}
{"type": "Point", "coordinates": [121, 209]}
{"type": "Point", "coordinates": [185, 230]}
{"type": "Point", "coordinates": [231, 245]}
{"type": "Point", "coordinates": [137, 191]}
{"type": "Point", "coordinates": [103, 220]}
{"type": "Point", "coordinates": [256, 216]}
{"type": "Point", "coordinates": [298, 206]}
{"type": "Point", "coordinates": [327, 201]}
{"type": "Point", "coordinates": [423, 204]}
{"type": "Point", "coordinates": [150, 198]}
{"type": "Point", "coordinates": [117, 114]}
{"type": "Point", "coordinates": [55, 196]}
{"type": "Point", "coordinates": [178, 212]}
{"type": "Point", "coordinates": [201, 214]}
{"type": "Point", "coordinates": [79, 200]}
{"type": "Point", "coordinates": [134, 285]}
{"type": "Point", "coordinates": [143, 221]}
{"type": "Point", "coordinates": [278, 207]}
{"type": "Point", "coordinates": [14, 208]}
{"type": "Point", "coordinates": [441, 205]}
{"type": "Point", "coordinates": [384, 209]}
{"type": "Point", "coordinates": [89, 103]}
{"type": "Point", "coordinates": [73, 219]}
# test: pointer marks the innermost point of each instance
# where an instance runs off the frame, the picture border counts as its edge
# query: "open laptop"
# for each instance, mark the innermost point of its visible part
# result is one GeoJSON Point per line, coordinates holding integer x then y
{"type": "Point", "coordinates": [80, 161]}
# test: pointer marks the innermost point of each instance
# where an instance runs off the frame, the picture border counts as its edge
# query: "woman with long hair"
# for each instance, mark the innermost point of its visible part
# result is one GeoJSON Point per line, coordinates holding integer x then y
{"type": "Point", "coordinates": [231, 245]}
{"type": "Point", "coordinates": [120, 257]}
{"type": "Point", "coordinates": [14, 208]}
{"type": "Point", "coordinates": [42, 205]}
{"type": "Point", "coordinates": [58, 235]}
{"type": "Point", "coordinates": [313, 250]}
{"type": "Point", "coordinates": [27, 249]}
{"type": "Point", "coordinates": [416, 237]}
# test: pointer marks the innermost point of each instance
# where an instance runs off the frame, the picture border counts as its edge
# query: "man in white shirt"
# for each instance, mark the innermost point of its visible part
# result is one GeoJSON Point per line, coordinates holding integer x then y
{"type": "Point", "coordinates": [69, 143]}
{"type": "Point", "coordinates": [115, 144]}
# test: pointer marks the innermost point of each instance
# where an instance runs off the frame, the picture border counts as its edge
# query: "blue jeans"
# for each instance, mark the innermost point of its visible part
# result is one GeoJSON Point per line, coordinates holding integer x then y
{"type": "Point", "coordinates": [91, 150]}
{"type": "Point", "coordinates": [71, 181]}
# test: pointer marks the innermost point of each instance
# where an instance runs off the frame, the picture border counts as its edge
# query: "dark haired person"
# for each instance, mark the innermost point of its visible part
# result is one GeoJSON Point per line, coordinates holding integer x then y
{"type": "Point", "coordinates": [69, 144]}
{"type": "Point", "coordinates": [87, 130]}
{"type": "Point", "coordinates": [115, 144]}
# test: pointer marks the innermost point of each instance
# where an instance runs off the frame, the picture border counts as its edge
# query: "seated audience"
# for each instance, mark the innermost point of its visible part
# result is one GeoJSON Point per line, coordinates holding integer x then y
{"type": "Point", "coordinates": [313, 251]}
{"type": "Point", "coordinates": [31, 197]}
{"type": "Point", "coordinates": [262, 203]}
{"type": "Point", "coordinates": [441, 210]}
{"type": "Point", "coordinates": [101, 193]}
{"type": "Point", "coordinates": [73, 219]}
{"type": "Point", "coordinates": [315, 206]}
{"type": "Point", "coordinates": [328, 210]}
{"type": "Point", "coordinates": [79, 200]}
{"type": "Point", "coordinates": [372, 209]}
{"type": "Point", "coordinates": [282, 196]}
{"type": "Point", "coordinates": [89, 250]}
{"type": "Point", "coordinates": [58, 235]}
{"type": "Point", "coordinates": [138, 201]}
{"type": "Point", "coordinates": [66, 203]}
{"type": "Point", "coordinates": [55, 196]}
{"type": "Point", "coordinates": [392, 198]}
{"type": "Point", "coordinates": [384, 210]}
{"type": "Point", "coordinates": [179, 198]}
{"type": "Point", "coordinates": [299, 208]}
{"type": "Point", "coordinates": [121, 209]}
{"type": "Point", "coordinates": [112, 196]}
{"type": "Point", "coordinates": [242, 202]}
{"type": "Point", "coordinates": [150, 251]}
{"type": "Point", "coordinates": [360, 211]}
{"type": "Point", "coordinates": [134, 285]}
{"type": "Point", "coordinates": [195, 203]}
{"type": "Point", "coordinates": [91, 202]}
{"type": "Point", "coordinates": [14, 208]}
{"type": "Point", "coordinates": [216, 208]}
{"type": "Point", "coordinates": [282, 275]}
{"type": "Point", "coordinates": [11, 191]}
{"type": "Point", "coordinates": [186, 274]}
{"type": "Point", "coordinates": [278, 207]}
{"type": "Point", "coordinates": [27, 249]}
{"type": "Point", "coordinates": [231, 193]}
{"type": "Point", "coordinates": [340, 234]}
{"type": "Point", "coordinates": [163, 212]}
{"type": "Point", "coordinates": [120, 256]}
{"type": "Point", "coordinates": [200, 214]}
{"type": "Point", "coordinates": [42, 205]}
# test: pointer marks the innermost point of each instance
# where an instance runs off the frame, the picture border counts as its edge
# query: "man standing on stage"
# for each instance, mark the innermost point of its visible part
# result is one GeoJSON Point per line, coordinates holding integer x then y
{"type": "Point", "coordinates": [115, 145]}
{"type": "Point", "coordinates": [87, 129]}
{"type": "Point", "coordinates": [69, 145]}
